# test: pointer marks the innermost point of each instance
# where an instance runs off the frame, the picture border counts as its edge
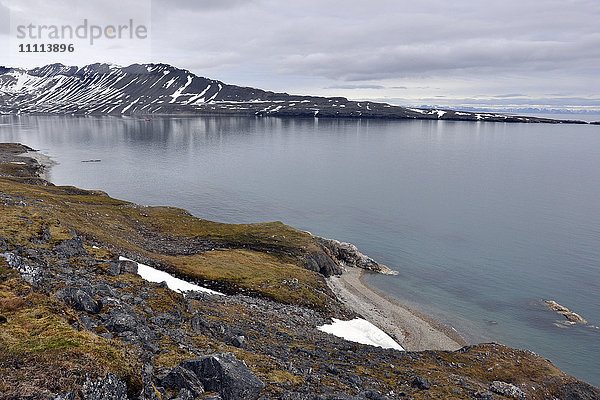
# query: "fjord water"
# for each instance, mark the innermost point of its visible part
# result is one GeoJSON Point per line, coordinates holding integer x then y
{"type": "Point", "coordinates": [481, 220]}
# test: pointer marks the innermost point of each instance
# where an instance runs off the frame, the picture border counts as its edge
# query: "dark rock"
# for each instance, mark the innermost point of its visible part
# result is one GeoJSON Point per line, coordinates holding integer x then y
{"type": "Point", "coordinates": [486, 396]}
{"type": "Point", "coordinates": [421, 383]}
{"type": "Point", "coordinates": [113, 269]}
{"type": "Point", "coordinates": [239, 342]}
{"type": "Point", "coordinates": [165, 319]}
{"type": "Point", "coordinates": [332, 369]}
{"type": "Point", "coordinates": [182, 378]}
{"type": "Point", "coordinates": [322, 263]}
{"type": "Point", "coordinates": [185, 394]}
{"type": "Point", "coordinates": [507, 389]}
{"type": "Point", "coordinates": [71, 248]}
{"type": "Point", "coordinates": [121, 321]}
{"type": "Point", "coordinates": [103, 290]}
{"type": "Point", "coordinates": [88, 322]}
{"type": "Point", "coordinates": [3, 244]}
{"type": "Point", "coordinates": [128, 267]}
{"type": "Point", "coordinates": [80, 299]}
{"type": "Point", "coordinates": [355, 380]}
{"type": "Point", "coordinates": [199, 324]}
{"type": "Point", "coordinates": [108, 388]}
{"type": "Point", "coordinates": [3, 319]}
{"type": "Point", "coordinates": [226, 375]}
{"type": "Point", "coordinates": [372, 394]}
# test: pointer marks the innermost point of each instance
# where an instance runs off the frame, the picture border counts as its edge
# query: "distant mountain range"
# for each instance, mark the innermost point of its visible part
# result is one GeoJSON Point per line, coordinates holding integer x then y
{"type": "Point", "coordinates": [144, 89]}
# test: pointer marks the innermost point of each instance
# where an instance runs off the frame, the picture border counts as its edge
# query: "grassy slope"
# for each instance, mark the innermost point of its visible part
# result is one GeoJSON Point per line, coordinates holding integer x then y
{"type": "Point", "coordinates": [258, 258]}
{"type": "Point", "coordinates": [39, 348]}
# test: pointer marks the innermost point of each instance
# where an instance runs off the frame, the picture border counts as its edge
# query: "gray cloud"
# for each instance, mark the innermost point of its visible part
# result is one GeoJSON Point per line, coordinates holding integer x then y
{"type": "Point", "coordinates": [355, 87]}
{"type": "Point", "coordinates": [199, 5]}
{"type": "Point", "coordinates": [436, 48]}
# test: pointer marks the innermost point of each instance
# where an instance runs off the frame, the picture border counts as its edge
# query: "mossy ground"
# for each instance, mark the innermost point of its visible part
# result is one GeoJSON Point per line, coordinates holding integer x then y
{"type": "Point", "coordinates": [42, 353]}
{"type": "Point", "coordinates": [259, 258]}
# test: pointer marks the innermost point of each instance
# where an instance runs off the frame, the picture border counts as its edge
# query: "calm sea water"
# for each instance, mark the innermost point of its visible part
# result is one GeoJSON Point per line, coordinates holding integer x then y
{"type": "Point", "coordinates": [482, 220]}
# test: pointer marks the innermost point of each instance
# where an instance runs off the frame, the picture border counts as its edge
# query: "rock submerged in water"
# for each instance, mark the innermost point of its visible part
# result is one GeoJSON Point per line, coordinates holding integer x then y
{"type": "Point", "coordinates": [573, 318]}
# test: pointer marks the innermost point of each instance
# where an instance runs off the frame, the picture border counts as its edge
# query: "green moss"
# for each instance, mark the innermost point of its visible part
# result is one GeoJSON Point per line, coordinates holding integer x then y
{"type": "Point", "coordinates": [39, 333]}
{"type": "Point", "coordinates": [258, 258]}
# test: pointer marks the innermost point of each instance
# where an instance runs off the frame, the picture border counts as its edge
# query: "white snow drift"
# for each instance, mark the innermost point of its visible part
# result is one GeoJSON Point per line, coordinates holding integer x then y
{"type": "Point", "coordinates": [361, 331]}
{"type": "Point", "coordinates": [178, 285]}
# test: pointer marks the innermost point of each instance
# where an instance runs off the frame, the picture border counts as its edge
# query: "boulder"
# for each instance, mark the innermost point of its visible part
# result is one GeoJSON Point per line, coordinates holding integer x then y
{"type": "Point", "coordinates": [103, 290]}
{"type": "Point", "coordinates": [507, 389]}
{"type": "Point", "coordinates": [71, 248]}
{"type": "Point", "coordinates": [111, 387]}
{"type": "Point", "coordinates": [128, 267]}
{"type": "Point", "coordinates": [121, 321]}
{"type": "Point", "coordinates": [225, 374]}
{"type": "Point", "coordinates": [239, 342]}
{"type": "Point", "coordinates": [421, 383]}
{"type": "Point", "coordinates": [199, 324]}
{"type": "Point", "coordinates": [31, 273]}
{"type": "Point", "coordinates": [80, 299]}
{"type": "Point", "coordinates": [3, 244]}
{"type": "Point", "coordinates": [181, 378]}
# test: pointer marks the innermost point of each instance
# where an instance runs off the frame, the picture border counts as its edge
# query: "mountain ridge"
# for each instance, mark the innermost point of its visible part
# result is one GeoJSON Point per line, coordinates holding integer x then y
{"type": "Point", "coordinates": [162, 89]}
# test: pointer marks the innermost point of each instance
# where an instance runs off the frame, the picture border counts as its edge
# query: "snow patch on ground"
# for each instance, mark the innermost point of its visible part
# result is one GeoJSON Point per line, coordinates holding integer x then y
{"type": "Point", "coordinates": [361, 331]}
{"type": "Point", "coordinates": [178, 285]}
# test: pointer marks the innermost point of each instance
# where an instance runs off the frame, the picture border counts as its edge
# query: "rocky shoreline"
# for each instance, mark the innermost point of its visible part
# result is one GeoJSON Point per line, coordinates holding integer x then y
{"type": "Point", "coordinates": [78, 322]}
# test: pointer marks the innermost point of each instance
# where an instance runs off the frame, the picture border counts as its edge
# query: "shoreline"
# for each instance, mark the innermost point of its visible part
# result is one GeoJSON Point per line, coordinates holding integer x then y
{"type": "Point", "coordinates": [45, 161]}
{"type": "Point", "coordinates": [411, 329]}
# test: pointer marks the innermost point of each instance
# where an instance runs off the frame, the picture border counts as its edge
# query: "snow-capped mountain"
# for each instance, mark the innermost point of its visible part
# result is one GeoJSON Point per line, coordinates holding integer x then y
{"type": "Point", "coordinates": [142, 89]}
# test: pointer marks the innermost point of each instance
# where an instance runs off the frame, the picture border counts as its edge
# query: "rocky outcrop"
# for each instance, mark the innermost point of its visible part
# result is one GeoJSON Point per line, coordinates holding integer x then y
{"type": "Point", "coordinates": [508, 390]}
{"type": "Point", "coordinates": [79, 299]}
{"type": "Point", "coordinates": [323, 263]}
{"type": "Point", "coordinates": [347, 255]}
{"type": "Point", "coordinates": [110, 387]}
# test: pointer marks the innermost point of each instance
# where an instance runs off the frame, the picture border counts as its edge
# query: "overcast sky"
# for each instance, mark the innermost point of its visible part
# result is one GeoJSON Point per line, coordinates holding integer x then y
{"type": "Point", "coordinates": [447, 53]}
